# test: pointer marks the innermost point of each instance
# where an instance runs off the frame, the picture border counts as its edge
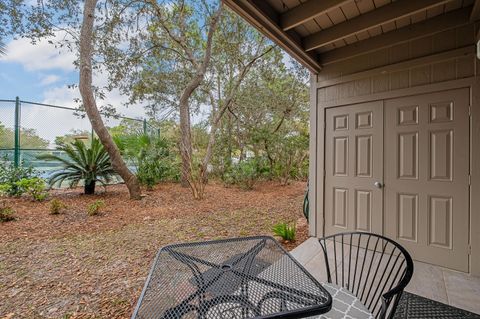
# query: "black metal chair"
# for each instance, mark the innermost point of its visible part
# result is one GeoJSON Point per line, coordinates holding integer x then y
{"type": "Point", "coordinates": [373, 268]}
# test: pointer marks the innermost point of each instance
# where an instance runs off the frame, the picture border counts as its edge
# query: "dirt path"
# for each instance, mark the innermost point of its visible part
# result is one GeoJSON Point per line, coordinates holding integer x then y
{"type": "Point", "coordinates": [75, 266]}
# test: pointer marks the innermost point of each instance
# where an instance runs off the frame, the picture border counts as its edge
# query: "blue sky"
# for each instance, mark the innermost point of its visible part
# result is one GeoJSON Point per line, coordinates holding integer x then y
{"type": "Point", "coordinates": [42, 73]}
{"type": "Point", "coordinates": [30, 71]}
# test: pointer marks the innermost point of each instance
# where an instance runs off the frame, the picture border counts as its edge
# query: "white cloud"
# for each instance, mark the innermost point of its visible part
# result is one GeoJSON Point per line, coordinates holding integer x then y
{"type": "Point", "coordinates": [49, 79]}
{"type": "Point", "coordinates": [62, 96]}
{"type": "Point", "coordinates": [40, 56]}
{"type": "Point", "coordinates": [52, 122]}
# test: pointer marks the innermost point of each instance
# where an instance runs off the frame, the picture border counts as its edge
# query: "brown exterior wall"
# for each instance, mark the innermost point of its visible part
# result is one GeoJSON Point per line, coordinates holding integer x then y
{"type": "Point", "coordinates": [444, 60]}
{"type": "Point", "coordinates": [395, 69]}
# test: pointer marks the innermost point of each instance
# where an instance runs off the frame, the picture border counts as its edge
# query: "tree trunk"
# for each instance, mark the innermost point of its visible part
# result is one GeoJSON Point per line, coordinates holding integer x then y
{"type": "Point", "coordinates": [221, 109]}
{"type": "Point", "coordinates": [270, 159]}
{"type": "Point", "coordinates": [88, 98]}
{"type": "Point", "coordinates": [89, 188]}
{"type": "Point", "coordinates": [186, 137]}
{"type": "Point", "coordinates": [185, 125]}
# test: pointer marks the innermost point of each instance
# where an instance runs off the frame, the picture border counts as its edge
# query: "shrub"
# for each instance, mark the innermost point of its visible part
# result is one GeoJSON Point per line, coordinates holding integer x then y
{"type": "Point", "coordinates": [10, 177]}
{"type": "Point", "coordinates": [34, 187]}
{"type": "Point", "coordinates": [95, 208]}
{"type": "Point", "coordinates": [244, 174]}
{"type": "Point", "coordinates": [6, 213]}
{"type": "Point", "coordinates": [5, 189]}
{"type": "Point", "coordinates": [152, 157]}
{"type": "Point", "coordinates": [56, 206]}
{"type": "Point", "coordinates": [285, 230]}
{"type": "Point", "coordinates": [150, 172]}
{"type": "Point", "coordinates": [287, 155]}
{"type": "Point", "coordinates": [87, 164]}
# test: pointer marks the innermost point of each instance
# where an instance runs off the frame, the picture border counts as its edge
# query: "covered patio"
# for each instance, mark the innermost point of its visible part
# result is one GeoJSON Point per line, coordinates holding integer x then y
{"type": "Point", "coordinates": [394, 128]}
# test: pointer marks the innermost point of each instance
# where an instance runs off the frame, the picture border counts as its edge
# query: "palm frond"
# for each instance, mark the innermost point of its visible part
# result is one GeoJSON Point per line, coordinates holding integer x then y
{"type": "Point", "coordinates": [81, 163]}
{"type": "Point", "coordinates": [55, 158]}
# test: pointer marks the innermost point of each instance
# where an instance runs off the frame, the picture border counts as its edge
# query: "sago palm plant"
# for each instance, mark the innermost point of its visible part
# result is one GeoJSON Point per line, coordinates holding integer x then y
{"type": "Point", "coordinates": [88, 164]}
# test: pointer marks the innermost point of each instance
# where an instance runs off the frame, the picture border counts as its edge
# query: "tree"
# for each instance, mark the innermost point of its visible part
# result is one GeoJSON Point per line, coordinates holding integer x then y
{"type": "Point", "coordinates": [192, 63]}
{"type": "Point", "coordinates": [152, 157]}
{"type": "Point", "coordinates": [269, 122]}
{"type": "Point", "coordinates": [69, 26]}
{"type": "Point", "coordinates": [7, 14]}
{"type": "Point", "coordinates": [115, 24]}
{"type": "Point", "coordinates": [181, 34]}
{"type": "Point", "coordinates": [28, 138]}
{"type": "Point", "coordinates": [238, 48]}
{"type": "Point", "coordinates": [127, 127]}
{"type": "Point", "coordinates": [90, 104]}
{"type": "Point", "coordinates": [183, 58]}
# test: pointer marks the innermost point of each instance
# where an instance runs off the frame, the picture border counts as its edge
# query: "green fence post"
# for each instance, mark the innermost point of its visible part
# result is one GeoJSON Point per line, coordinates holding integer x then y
{"type": "Point", "coordinates": [144, 126]}
{"type": "Point", "coordinates": [16, 154]}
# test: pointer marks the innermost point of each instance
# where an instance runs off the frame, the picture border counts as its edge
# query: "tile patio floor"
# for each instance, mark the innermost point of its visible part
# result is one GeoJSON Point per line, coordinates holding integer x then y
{"type": "Point", "coordinates": [447, 286]}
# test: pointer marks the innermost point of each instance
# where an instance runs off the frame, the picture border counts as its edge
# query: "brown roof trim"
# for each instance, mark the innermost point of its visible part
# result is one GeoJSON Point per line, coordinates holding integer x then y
{"type": "Point", "coordinates": [265, 19]}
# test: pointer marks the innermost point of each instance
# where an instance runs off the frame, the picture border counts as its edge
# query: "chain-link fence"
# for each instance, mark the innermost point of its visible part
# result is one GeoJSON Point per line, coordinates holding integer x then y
{"type": "Point", "coordinates": [28, 129]}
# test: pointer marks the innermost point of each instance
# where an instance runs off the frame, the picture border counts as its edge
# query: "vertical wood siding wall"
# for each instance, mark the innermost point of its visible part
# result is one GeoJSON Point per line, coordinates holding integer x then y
{"type": "Point", "coordinates": [345, 79]}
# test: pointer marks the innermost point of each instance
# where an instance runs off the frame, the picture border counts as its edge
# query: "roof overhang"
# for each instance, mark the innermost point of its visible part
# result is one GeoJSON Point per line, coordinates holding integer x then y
{"type": "Point", "coordinates": [320, 32]}
{"type": "Point", "coordinates": [259, 14]}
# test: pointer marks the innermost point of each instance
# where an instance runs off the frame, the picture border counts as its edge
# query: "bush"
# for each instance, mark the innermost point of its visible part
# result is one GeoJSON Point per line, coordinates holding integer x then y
{"type": "Point", "coordinates": [10, 176]}
{"type": "Point", "coordinates": [152, 156]}
{"type": "Point", "coordinates": [285, 230]}
{"type": "Point", "coordinates": [244, 174]}
{"type": "Point", "coordinates": [95, 208]}
{"type": "Point", "coordinates": [6, 213]}
{"type": "Point", "coordinates": [57, 206]}
{"type": "Point", "coordinates": [156, 163]}
{"type": "Point", "coordinates": [293, 160]}
{"type": "Point", "coordinates": [34, 187]}
{"type": "Point", "coordinates": [151, 171]}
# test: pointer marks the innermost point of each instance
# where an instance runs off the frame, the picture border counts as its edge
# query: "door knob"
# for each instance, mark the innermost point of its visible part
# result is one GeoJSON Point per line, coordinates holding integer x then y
{"type": "Point", "coordinates": [378, 185]}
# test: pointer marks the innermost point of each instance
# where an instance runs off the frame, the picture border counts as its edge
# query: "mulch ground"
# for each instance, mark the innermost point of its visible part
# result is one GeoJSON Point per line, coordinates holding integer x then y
{"type": "Point", "coordinates": [78, 266]}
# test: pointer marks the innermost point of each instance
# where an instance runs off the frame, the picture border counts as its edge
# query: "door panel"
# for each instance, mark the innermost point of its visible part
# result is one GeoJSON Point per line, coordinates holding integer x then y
{"type": "Point", "coordinates": [353, 163]}
{"type": "Point", "coordinates": [426, 176]}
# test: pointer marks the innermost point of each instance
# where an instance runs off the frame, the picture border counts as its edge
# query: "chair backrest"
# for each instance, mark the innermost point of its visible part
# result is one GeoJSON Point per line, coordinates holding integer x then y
{"type": "Point", "coordinates": [372, 267]}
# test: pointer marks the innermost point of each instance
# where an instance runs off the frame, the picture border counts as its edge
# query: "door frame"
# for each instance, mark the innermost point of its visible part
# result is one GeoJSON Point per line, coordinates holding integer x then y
{"type": "Point", "coordinates": [317, 154]}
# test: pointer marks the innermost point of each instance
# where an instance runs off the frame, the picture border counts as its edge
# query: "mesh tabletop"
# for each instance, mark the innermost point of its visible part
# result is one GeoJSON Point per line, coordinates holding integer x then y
{"type": "Point", "coordinates": [252, 277]}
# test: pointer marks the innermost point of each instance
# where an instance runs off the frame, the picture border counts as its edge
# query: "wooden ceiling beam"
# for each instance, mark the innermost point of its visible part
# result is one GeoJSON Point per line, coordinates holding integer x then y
{"type": "Point", "coordinates": [388, 13]}
{"type": "Point", "coordinates": [475, 15]}
{"type": "Point", "coordinates": [422, 29]}
{"type": "Point", "coordinates": [307, 11]}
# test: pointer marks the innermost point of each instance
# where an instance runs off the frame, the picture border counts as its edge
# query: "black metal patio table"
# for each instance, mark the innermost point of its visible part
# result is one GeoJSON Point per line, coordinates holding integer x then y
{"type": "Point", "coordinates": [251, 277]}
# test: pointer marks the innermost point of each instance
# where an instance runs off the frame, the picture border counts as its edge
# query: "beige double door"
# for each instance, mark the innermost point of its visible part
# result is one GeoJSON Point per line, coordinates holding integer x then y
{"type": "Point", "coordinates": [400, 167]}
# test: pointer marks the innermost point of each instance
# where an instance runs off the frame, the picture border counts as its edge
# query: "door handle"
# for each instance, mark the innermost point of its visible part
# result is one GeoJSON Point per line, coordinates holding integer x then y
{"type": "Point", "coordinates": [378, 185]}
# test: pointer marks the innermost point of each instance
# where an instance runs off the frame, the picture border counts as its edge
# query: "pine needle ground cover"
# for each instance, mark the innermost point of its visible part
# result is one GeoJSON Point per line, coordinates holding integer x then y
{"type": "Point", "coordinates": [73, 265]}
